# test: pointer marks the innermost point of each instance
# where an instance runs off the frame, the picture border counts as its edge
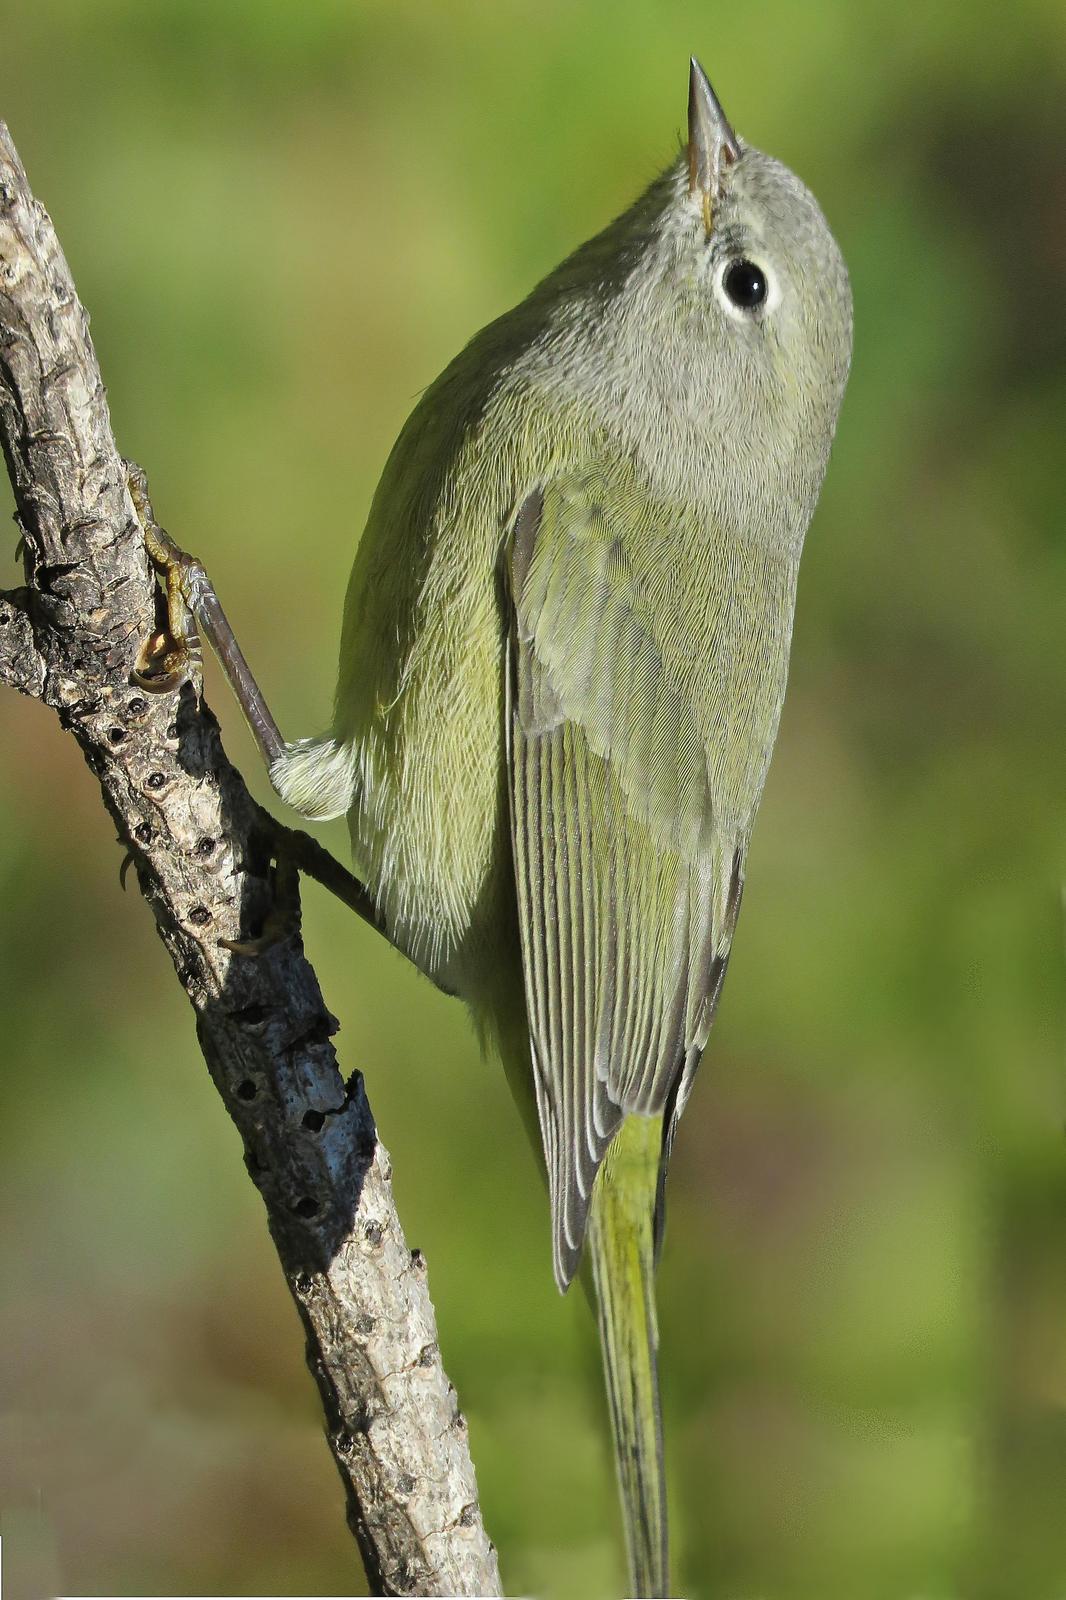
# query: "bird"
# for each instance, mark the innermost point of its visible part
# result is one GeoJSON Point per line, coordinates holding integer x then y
{"type": "Point", "coordinates": [563, 660]}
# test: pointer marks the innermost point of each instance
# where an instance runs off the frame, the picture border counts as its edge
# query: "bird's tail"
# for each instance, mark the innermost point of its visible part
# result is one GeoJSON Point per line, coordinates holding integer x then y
{"type": "Point", "coordinates": [622, 1250]}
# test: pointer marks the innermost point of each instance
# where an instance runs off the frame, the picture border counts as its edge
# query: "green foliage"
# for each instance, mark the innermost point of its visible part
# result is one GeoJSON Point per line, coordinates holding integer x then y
{"type": "Point", "coordinates": [285, 219]}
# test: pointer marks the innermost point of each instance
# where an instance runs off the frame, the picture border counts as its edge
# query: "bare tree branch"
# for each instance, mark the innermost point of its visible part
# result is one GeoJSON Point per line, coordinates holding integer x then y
{"type": "Point", "coordinates": [203, 853]}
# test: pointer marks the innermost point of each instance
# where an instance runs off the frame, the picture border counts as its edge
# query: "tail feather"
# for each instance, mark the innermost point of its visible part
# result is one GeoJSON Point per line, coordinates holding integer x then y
{"type": "Point", "coordinates": [622, 1250]}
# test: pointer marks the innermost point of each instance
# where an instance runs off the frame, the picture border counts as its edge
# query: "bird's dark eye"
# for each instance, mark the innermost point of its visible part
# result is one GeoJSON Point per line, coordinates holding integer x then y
{"type": "Point", "coordinates": [745, 284]}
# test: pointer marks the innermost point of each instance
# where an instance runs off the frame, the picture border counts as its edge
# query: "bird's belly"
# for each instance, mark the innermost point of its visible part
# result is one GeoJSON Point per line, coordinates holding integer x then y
{"type": "Point", "coordinates": [429, 818]}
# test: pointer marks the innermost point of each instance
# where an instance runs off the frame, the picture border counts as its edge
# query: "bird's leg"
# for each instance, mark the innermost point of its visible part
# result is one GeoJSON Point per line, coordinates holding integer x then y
{"type": "Point", "coordinates": [172, 655]}
{"type": "Point", "coordinates": [292, 851]}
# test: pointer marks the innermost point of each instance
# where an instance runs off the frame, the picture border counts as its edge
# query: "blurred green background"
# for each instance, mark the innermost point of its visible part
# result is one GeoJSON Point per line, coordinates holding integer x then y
{"type": "Point", "coordinates": [284, 219]}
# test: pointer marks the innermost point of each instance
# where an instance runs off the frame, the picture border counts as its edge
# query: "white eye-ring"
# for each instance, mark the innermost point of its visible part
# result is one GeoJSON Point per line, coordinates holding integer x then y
{"type": "Point", "coordinates": [745, 288]}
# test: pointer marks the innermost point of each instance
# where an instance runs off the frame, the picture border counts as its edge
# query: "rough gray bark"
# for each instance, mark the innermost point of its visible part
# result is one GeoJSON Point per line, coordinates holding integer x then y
{"type": "Point", "coordinates": [202, 851]}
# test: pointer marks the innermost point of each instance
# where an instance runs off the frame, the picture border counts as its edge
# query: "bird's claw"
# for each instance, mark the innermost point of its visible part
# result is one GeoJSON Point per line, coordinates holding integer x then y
{"type": "Point", "coordinates": [283, 919]}
{"type": "Point", "coordinates": [164, 662]}
{"type": "Point", "coordinates": [127, 862]}
{"type": "Point", "coordinates": [172, 653]}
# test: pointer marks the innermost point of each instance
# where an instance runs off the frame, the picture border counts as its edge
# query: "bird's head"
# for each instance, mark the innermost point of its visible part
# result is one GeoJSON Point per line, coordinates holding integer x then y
{"type": "Point", "coordinates": [744, 248]}
{"type": "Point", "coordinates": [716, 309]}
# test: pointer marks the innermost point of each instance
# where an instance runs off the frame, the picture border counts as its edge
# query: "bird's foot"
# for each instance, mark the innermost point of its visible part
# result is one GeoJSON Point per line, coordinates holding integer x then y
{"type": "Point", "coordinates": [172, 653]}
{"type": "Point", "coordinates": [282, 921]}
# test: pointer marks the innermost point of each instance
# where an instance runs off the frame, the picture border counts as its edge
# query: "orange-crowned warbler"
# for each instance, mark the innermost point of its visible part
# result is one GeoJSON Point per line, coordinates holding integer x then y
{"type": "Point", "coordinates": [563, 659]}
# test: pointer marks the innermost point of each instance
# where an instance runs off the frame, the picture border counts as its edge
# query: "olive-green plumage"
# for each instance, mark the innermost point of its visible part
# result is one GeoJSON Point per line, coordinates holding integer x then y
{"type": "Point", "coordinates": [564, 656]}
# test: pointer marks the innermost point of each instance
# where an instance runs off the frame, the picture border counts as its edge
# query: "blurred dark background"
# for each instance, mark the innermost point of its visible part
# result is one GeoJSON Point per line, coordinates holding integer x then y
{"type": "Point", "coordinates": [284, 220]}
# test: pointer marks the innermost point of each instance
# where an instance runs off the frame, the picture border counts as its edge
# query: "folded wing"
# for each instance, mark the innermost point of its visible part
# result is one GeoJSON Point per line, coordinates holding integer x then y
{"type": "Point", "coordinates": [627, 894]}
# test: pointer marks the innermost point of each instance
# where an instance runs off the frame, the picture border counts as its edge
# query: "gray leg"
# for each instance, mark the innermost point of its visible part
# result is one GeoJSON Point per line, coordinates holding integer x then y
{"type": "Point", "coordinates": [170, 656]}
{"type": "Point", "coordinates": [173, 655]}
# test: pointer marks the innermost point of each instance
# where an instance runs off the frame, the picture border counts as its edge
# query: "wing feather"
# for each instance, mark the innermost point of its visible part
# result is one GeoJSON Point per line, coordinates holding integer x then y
{"type": "Point", "coordinates": [618, 867]}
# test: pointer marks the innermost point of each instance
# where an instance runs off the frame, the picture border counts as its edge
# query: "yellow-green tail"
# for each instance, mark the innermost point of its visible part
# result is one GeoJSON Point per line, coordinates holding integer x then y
{"type": "Point", "coordinates": [621, 1247]}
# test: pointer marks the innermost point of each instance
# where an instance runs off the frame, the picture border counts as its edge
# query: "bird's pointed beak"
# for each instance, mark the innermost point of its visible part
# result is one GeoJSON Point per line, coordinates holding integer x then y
{"type": "Point", "coordinates": [711, 141]}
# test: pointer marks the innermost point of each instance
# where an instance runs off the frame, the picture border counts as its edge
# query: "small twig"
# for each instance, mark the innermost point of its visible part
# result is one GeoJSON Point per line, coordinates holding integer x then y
{"type": "Point", "coordinates": [202, 851]}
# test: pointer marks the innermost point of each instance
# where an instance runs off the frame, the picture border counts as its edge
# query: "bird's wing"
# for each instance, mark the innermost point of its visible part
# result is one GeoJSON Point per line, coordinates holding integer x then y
{"type": "Point", "coordinates": [626, 893]}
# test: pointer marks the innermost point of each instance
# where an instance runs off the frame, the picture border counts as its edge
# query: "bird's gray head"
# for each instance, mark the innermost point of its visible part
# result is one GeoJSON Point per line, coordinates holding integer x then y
{"type": "Point", "coordinates": [746, 247]}
{"type": "Point", "coordinates": [719, 301]}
